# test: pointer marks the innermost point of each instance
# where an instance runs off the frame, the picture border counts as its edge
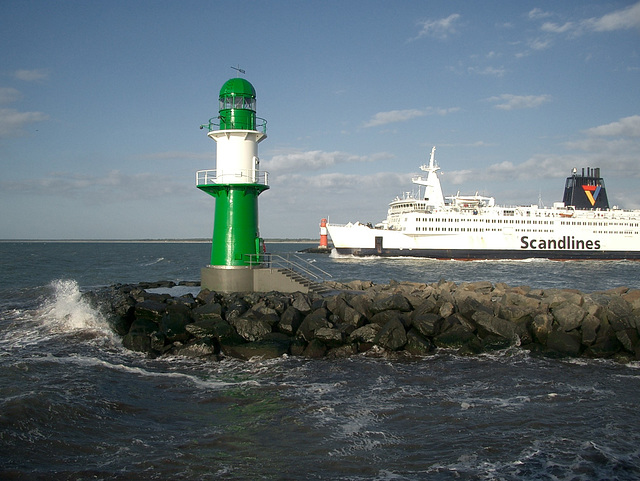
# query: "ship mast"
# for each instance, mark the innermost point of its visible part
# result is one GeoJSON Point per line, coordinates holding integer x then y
{"type": "Point", "coordinates": [432, 189]}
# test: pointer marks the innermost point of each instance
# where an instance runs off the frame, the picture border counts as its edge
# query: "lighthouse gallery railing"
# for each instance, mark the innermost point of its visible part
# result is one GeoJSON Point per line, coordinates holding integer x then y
{"type": "Point", "coordinates": [243, 176]}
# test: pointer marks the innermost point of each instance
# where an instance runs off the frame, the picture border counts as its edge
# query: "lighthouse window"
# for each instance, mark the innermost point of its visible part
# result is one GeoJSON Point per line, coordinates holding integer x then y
{"type": "Point", "coordinates": [249, 104]}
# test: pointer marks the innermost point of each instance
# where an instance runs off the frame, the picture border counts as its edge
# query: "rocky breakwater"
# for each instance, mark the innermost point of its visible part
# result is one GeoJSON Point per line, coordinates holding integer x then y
{"type": "Point", "coordinates": [403, 317]}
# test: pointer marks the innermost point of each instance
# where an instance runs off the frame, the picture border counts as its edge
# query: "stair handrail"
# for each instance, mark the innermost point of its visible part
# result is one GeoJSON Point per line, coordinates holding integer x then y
{"type": "Point", "coordinates": [275, 260]}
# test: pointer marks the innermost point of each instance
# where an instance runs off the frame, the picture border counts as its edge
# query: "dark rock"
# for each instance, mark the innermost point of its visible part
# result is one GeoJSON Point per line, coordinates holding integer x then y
{"type": "Point", "coordinates": [492, 342]}
{"type": "Point", "coordinates": [428, 306]}
{"type": "Point", "coordinates": [290, 321]}
{"type": "Point", "coordinates": [564, 343]}
{"type": "Point", "coordinates": [301, 302]}
{"type": "Point", "coordinates": [427, 323]}
{"type": "Point", "coordinates": [417, 344]}
{"type": "Point", "coordinates": [366, 333]}
{"type": "Point", "coordinates": [186, 300]}
{"type": "Point", "coordinates": [494, 325]}
{"type": "Point", "coordinates": [212, 310]}
{"type": "Point", "coordinates": [342, 351]}
{"type": "Point", "coordinates": [329, 336]}
{"type": "Point", "coordinates": [236, 309]}
{"type": "Point", "coordinates": [471, 348]}
{"type": "Point", "coordinates": [604, 347]}
{"type": "Point", "coordinates": [222, 331]}
{"type": "Point", "coordinates": [198, 348]}
{"type": "Point", "coordinates": [159, 342]}
{"type": "Point", "coordinates": [311, 323]}
{"type": "Point", "coordinates": [361, 304]}
{"type": "Point", "coordinates": [123, 310]}
{"type": "Point", "coordinates": [315, 349]}
{"type": "Point", "coordinates": [541, 326]}
{"type": "Point", "coordinates": [359, 285]}
{"type": "Point", "coordinates": [633, 298]}
{"type": "Point", "coordinates": [568, 315]}
{"type": "Point", "coordinates": [455, 336]}
{"type": "Point", "coordinates": [138, 337]}
{"type": "Point", "coordinates": [589, 328]}
{"type": "Point", "coordinates": [318, 303]}
{"type": "Point", "coordinates": [205, 296]}
{"type": "Point", "coordinates": [262, 309]}
{"type": "Point", "coordinates": [204, 328]}
{"type": "Point", "coordinates": [384, 317]}
{"type": "Point", "coordinates": [455, 319]}
{"type": "Point", "coordinates": [278, 303]}
{"type": "Point", "coordinates": [352, 317]}
{"type": "Point", "coordinates": [297, 346]}
{"type": "Point", "coordinates": [150, 310]}
{"type": "Point", "coordinates": [263, 349]}
{"type": "Point", "coordinates": [628, 338]}
{"type": "Point", "coordinates": [481, 287]}
{"type": "Point", "coordinates": [392, 336]}
{"type": "Point", "coordinates": [470, 302]}
{"type": "Point", "coordinates": [395, 302]}
{"type": "Point", "coordinates": [250, 329]}
{"type": "Point", "coordinates": [337, 304]}
{"type": "Point", "coordinates": [446, 309]}
{"type": "Point", "coordinates": [155, 297]}
{"type": "Point", "coordinates": [174, 321]}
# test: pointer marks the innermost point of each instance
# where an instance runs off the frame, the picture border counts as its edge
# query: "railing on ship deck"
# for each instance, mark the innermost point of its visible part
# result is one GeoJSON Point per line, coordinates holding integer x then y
{"type": "Point", "coordinates": [289, 261]}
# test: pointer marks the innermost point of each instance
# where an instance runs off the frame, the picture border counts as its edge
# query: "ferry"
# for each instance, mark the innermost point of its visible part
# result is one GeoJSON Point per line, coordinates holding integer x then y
{"type": "Point", "coordinates": [470, 227]}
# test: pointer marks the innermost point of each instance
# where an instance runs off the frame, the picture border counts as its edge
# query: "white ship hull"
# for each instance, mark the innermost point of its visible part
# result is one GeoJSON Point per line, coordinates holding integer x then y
{"type": "Point", "coordinates": [473, 227]}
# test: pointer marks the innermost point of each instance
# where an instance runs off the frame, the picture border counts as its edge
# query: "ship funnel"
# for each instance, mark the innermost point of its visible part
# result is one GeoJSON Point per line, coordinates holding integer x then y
{"type": "Point", "coordinates": [586, 191]}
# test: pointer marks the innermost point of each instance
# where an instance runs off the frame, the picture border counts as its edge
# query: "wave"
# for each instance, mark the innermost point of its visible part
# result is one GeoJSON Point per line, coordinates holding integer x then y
{"type": "Point", "coordinates": [66, 310]}
{"type": "Point", "coordinates": [157, 261]}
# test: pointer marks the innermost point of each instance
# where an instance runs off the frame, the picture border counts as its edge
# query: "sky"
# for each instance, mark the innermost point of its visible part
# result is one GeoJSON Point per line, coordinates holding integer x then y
{"type": "Point", "coordinates": [101, 103]}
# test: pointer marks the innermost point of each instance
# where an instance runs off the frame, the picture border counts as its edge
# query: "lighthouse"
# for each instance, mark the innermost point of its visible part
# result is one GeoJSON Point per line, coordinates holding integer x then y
{"type": "Point", "coordinates": [236, 246]}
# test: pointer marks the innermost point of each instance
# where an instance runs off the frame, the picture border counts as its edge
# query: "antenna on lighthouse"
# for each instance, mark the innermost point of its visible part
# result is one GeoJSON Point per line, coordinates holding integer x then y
{"type": "Point", "coordinates": [238, 69]}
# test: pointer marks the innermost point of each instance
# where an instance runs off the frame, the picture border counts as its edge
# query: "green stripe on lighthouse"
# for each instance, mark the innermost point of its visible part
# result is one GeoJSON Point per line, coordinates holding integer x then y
{"type": "Point", "coordinates": [235, 227]}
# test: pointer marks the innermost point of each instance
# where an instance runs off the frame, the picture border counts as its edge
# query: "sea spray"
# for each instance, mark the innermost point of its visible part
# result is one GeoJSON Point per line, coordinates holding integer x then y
{"type": "Point", "coordinates": [65, 310]}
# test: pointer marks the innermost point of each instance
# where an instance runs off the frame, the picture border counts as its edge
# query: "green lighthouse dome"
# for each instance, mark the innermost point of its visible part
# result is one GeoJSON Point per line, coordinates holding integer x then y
{"type": "Point", "coordinates": [237, 87]}
{"type": "Point", "coordinates": [237, 105]}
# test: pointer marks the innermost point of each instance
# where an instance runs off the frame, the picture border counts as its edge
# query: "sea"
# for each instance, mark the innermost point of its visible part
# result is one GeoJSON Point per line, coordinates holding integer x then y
{"type": "Point", "coordinates": [76, 405]}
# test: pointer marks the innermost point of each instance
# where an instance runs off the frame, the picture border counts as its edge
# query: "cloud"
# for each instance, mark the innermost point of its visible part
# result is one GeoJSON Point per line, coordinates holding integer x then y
{"type": "Point", "coordinates": [111, 187]}
{"type": "Point", "coordinates": [314, 160]}
{"type": "Point", "coordinates": [537, 14]}
{"type": "Point", "coordinates": [441, 28]}
{"type": "Point", "coordinates": [31, 75]}
{"type": "Point", "coordinates": [625, 127]}
{"type": "Point", "coordinates": [174, 155]}
{"type": "Point", "coordinates": [382, 118]}
{"type": "Point", "coordinates": [623, 19]}
{"type": "Point", "coordinates": [513, 102]}
{"type": "Point", "coordinates": [615, 147]}
{"type": "Point", "coordinates": [8, 95]}
{"type": "Point", "coordinates": [13, 123]}
{"type": "Point", "coordinates": [540, 43]}
{"type": "Point", "coordinates": [491, 71]}
{"type": "Point", "coordinates": [555, 28]}
{"type": "Point", "coordinates": [392, 116]}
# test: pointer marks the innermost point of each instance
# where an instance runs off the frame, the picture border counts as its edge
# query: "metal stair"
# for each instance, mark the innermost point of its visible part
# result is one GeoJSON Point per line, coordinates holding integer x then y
{"type": "Point", "coordinates": [295, 268]}
{"type": "Point", "coordinates": [314, 287]}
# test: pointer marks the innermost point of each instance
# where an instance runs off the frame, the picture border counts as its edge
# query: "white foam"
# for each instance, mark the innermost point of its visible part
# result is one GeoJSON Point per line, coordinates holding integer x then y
{"type": "Point", "coordinates": [66, 310]}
